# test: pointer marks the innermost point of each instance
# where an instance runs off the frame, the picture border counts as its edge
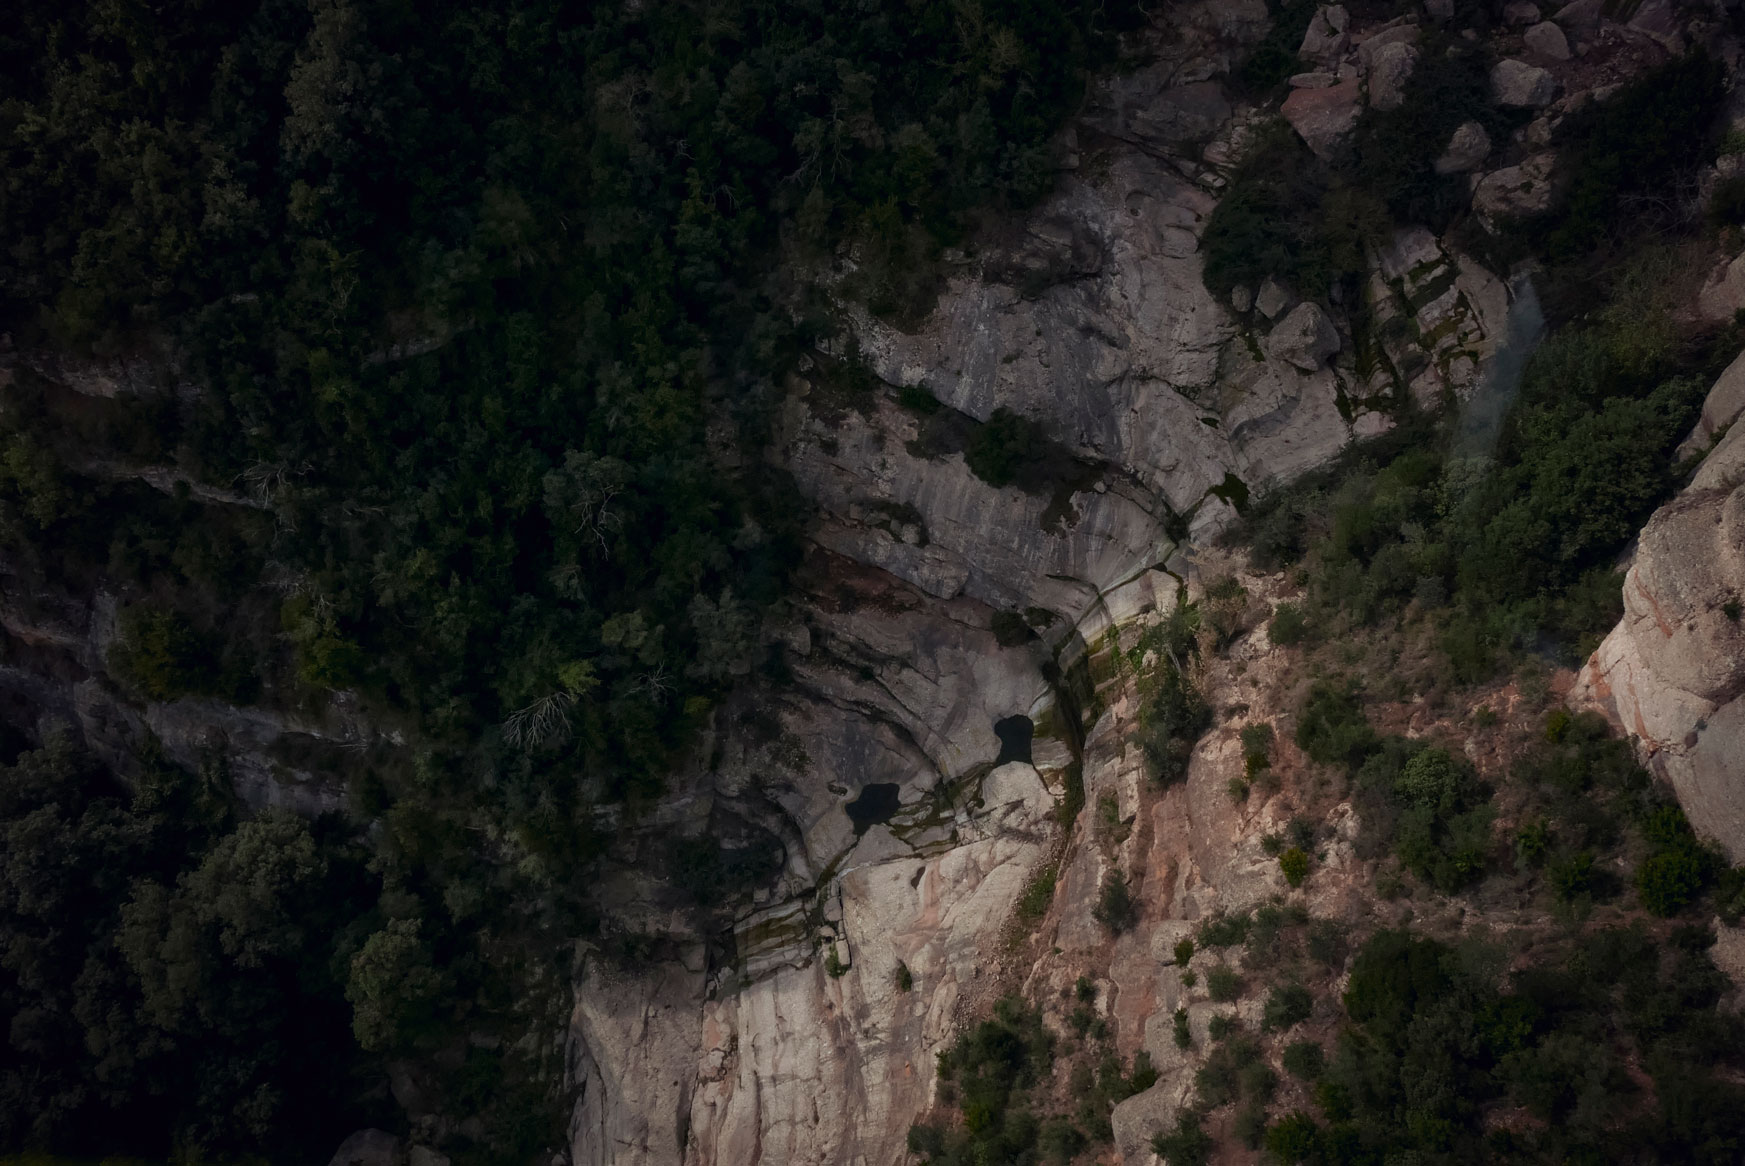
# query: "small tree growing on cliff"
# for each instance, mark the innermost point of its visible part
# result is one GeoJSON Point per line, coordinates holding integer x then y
{"type": "Point", "coordinates": [1115, 907]}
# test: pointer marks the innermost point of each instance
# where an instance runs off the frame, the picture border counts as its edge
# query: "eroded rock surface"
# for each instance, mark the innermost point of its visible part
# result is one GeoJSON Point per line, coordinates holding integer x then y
{"type": "Point", "coordinates": [1672, 673]}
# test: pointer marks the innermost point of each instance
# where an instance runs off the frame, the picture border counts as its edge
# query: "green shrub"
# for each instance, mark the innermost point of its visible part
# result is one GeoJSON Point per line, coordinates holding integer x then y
{"type": "Point", "coordinates": [1115, 907]}
{"type": "Point", "coordinates": [1289, 626]}
{"type": "Point", "coordinates": [1003, 446]}
{"type": "Point", "coordinates": [905, 978]}
{"type": "Point", "coordinates": [1183, 1037]}
{"type": "Point", "coordinates": [1656, 126]}
{"type": "Point", "coordinates": [159, 653]}
{"type": "Point", "coordinates": [1186, 1145]}
{"type": "Point", "coordinates": [1274, 59]}
{"type": "Point", "coordinates": [1221, 1025]}
{"type": "Point", "coordinates": [1294, 1138]}
{"type": "Point", "coordinates": [1305, 1059]}
{"type": "Point", "coordinates": [1011, 629]}
{"type": "Point", "coordinates": [1038, 894]}
{"type": "Point", "coordinates": [917, 399]}
{"type": "Point", "coordinates": [1184, 951]}
{"type": "Point", "coordinates": [1331, 727]}
{"type": "Point", "coordinates": [1295, 865]}
{"type": "Point", "coordinates": [1224, 983]}
{"type": "Point", "coordinates": [1287, 1006]}
{"type": "Point", "coordinates": [1678, 866]}
{"type": "Point", "coordinates": [1225, 930]}
{"type": "Point", "coordinates": [1250, 1125]}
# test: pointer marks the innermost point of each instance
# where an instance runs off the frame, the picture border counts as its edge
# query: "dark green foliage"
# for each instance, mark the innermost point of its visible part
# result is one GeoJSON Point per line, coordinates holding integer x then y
{"type": "Point", "coordinates": [1304, 1059]}
{"type": "Point", "coordinates": [1289, 626]}
{"type": "Point", "coordinates": [171, 978]}
{"type": "Point", "coordinates": [1286, 215]}
{"type": "Point", "coordinates": [1295, 865]}
{"type": "Point", "coordinates": [1427, 806]}
{"type": "Point", "coordinates": [905, 978]}
{"type": "Point", "coordinates": [1183, 1037]}
{"type": "Point", "coordinates": [1331, 727]}
{"type": "Point", "coordinates": [1225, 930]}
{"type": "Point", "coordinates": [1184, 951]}
{"type": "Point", "coordinates": [1224, 983]}
{"type": "Point", "coordinates": [1175, 714]}
{"type": "Point", "coordinates": [1678, 867]}
{"type": "Point", "coordinates": [1394, 149]}
{"type": "Point", "coordinates": [1038, 894]}
{"type": "Point", "coordinates": [1115, 907]}
{"type": "Point", "coordinates": [1186, 1145]}
{"type": "Point", "coordinates": [917, 399]}
{"type": "Point", "coordinates": [1658, 125]}
{"type": "Point", "coordinates": [1551, 1040]}
{"type": "Point", "coordinates": [1004, 446]}
{"type": "Point", "coordinates": [1294, 1138]}
{"type": "Point", "coordinates": [1275, 57]}
{"type": "Point", "coordinates": [989, 1072]}
{"type": "Point", "coordinates": [1288, 1005]}
{"type": "Point", "coordinates": [1222, 1025]}
{"type": "Point", "coordinates": [482, 308]}
{"type": "Point", "coordinates": [1011, 630]}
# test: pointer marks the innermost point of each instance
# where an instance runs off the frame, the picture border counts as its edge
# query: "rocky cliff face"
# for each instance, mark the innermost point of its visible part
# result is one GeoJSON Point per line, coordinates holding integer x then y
{"type": "Point", "coordinates": [809, 1038]}
{"type": "Point", "coordinates": [1672, 674]}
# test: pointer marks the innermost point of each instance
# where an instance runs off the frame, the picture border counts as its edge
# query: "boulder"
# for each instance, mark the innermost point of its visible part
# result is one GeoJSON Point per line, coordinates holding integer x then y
{"type": "Point", "coordinates": [1581, 14]}
{"type": "Point", "coordinates": [1399, 34]}
{"type": "Point", "coordinates": [1515, 191]}
{"type": "Point", "coordinates": [1441, 11]}
{"type": "Point", "coordinates": [1545, 39]}
{"type": "Point", "coordinates": [1324, 118]}
{"type": "Point", "coordinates": [1273, 298]}
{"type": "Point", "coordinates": [1389, 70]}
{"type": "Point", "coordinates": [1468, 146]}
{"type": "Point", "coordinates": [1721, 408]}
{"type": "Point", "coordinates": [1523, 86]}
{"type": "Point", "coordinates": [368, 1148]}
{"type": "Point", "coordinates": [1305, 338]}
{"type": "Point", "coordinates": [1659, 21]}
{"type": "Point", "coordinates": [1724, 293]}
{"type": "Point", "coordinates": [1312, 80]}
{"type": "Point", "coordinates": [1242, 297]}
{"type": "Point", "coordinates": [1519, 12]}
{"type": "Point", "coordinates": [1327, 37]}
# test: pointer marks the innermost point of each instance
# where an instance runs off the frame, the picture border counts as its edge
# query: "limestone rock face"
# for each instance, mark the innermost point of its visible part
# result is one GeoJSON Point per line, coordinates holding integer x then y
{"type": "Point", "coordinates": [1467, 148]}
{"type": "Point", "coordinates": [1305, 338]}
{"type": "Point", "coordinates": [1324, 118]}
{"type": "Point", "coordinates": [1516, 83]}
{"type": "Point", "coordinates": [1672, 673]}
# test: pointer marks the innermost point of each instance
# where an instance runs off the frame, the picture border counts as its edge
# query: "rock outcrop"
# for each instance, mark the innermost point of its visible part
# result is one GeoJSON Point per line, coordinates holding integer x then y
{"type": "Point", "coordinates": [1672, 674]}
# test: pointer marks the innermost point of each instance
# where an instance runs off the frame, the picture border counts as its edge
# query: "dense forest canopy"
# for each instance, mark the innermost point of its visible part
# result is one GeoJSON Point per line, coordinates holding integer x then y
{"type": "Point", "coordinates": [466, 323]}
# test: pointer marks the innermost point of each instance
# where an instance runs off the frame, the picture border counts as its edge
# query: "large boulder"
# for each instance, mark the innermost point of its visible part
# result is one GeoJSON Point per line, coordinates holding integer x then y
{"type": "Point", "coordinates": [1724, 405]}
{"type": "Point", "coordinates": [1327, 37]}
{"type": "Point", "coordinates": [1468, 146]}
{"type": "Point", "coordinates": [1672, 673]}
{"type": "Point", "coordinates": [1724, 293]}
{"type": "Point", "coordinates": [1523, 86]}
{"type": "Point", "coordinates": [1324, 118]}
{"type": "Point", "coordinates": [1516, 191]}
{"type": "Point", "coordinates": [1390, 67]}
{"type": "Point", "coordinates": [1304, 338]}
{"type": "Point", "coordinates": [368, 1148]}
{"type": "Point", "coordinates": [1547, 40]}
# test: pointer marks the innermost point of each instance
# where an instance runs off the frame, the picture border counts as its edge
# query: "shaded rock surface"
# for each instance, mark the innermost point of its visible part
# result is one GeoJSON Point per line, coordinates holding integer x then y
{"type": "Point", "coordinates": [1522, 85]}
{"type": "Point", "coordinates": [1672, 673]}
